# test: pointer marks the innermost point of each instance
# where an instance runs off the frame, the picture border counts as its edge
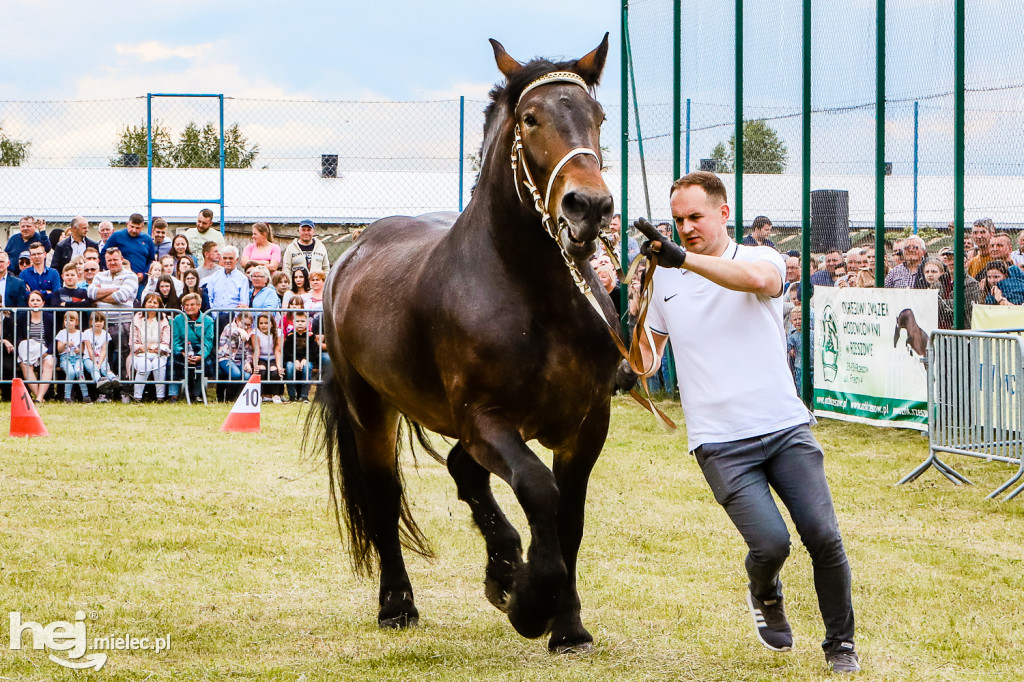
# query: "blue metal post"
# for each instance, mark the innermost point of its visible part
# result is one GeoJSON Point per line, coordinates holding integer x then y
{"type": "Point", "coordinates": [687, 135]}
{"type": "Point", "coordinates": [149, 158]}
{"type": "Point", "coordinates": [915, 167]}
{"type": "Point", "coordinates": [462, 145]}
{"type": "Point", "coordinates": [222, 226]}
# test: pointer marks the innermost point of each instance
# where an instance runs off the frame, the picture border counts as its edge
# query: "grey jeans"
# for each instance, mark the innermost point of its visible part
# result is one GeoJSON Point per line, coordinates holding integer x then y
{"type": "Point", "coordinates": [791, 463]}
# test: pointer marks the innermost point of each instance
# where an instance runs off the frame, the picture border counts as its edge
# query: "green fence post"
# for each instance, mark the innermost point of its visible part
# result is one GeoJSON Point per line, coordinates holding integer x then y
{"type": "Point", "coordinates": [624, 99]}
{"type": "Point", "coordinates": [880, 144]}
{"type": "Point", "coordinates": [738, 169]}
{"type": "Point", "coordinates": [807, 386]}
{"type": "Point", "coordinates": [959, 94]}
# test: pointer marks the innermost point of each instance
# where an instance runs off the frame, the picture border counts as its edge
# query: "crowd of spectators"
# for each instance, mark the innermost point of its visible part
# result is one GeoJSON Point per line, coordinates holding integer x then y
{"type": "Point", "coordinates": [139, 308]}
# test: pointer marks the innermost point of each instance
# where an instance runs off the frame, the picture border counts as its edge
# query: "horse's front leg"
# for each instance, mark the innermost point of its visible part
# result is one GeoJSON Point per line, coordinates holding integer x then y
{"type": "Point", "coordinates": [538, 583]}
{"type": "Point", "coordinates": [572, 466]}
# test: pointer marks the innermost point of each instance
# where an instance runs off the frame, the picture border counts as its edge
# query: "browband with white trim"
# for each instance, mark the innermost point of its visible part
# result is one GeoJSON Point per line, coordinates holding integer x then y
{"type": "Point", "coordinates": [554, 77]}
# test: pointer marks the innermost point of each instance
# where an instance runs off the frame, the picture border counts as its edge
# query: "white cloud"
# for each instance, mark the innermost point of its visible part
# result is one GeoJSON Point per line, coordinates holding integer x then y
{"type": "Point", "coordinates": [153, 50]}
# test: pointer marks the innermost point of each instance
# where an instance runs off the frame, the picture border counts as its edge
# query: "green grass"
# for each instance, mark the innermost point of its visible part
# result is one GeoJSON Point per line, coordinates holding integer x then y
{"type": "Point", "coordinates": [155, 523]}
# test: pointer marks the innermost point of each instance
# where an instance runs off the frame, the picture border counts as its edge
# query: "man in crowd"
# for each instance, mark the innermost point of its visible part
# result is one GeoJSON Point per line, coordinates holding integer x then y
{"type": "Point", "coordinates": [614, 235]}
{"type": "Point", "coordinates": [826, 276]}
{"type": "Point", "coordinates": [228, 288]}
{"type": "Point", "coordinates": [135, 246]}
{"type": "Point", "coordinates": [306, 251]}
{"type": "Point", "coordinates": [981, 234]}
{"type": "Point", "coordinates": [1018, 255]}
{"type": "Point", "coordinates": [211, 260]}
{"type": "Point", "coordinates": [760, 231]}
{"type": "Point", "coordinates": [105, 228]}
{"type": "Point", "coordinates": [38, 277]}
{"type": "Point", "coordinates": [160, 241]}
{"type": "Point", "coordinates": [909, 274]}
{"type": "Point", "coordinates": [27, 235]}
{"type": "Point", "coordinates": [1000, 247]}
{"type": "Point", "coordinates": [13, 291]}
{"type": "Point", "coordinates": [74, 244]}
{"type": "Point", "coordinates": [201, 233]}
{"type": "Point", "coordinates": [714, 296]}
{"type": "Point", "coordinates": [114, 291]}
{"type": "Point", "coordinates": [792, 273]}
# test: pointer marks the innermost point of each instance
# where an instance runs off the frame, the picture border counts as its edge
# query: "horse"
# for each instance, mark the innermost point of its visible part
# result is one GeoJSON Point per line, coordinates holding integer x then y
{"type": "Point", "coordinates": [473, 326]}
{"type": "Point", "coordinates": [917, 338]}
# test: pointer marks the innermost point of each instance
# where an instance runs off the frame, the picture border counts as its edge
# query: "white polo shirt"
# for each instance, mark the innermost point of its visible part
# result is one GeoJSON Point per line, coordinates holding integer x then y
{"type": "Point", "coordinates": [730, 353]}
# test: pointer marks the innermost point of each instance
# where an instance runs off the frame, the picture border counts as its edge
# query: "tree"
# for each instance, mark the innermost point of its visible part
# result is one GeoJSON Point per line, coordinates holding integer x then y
{"type": "Point", "coordinates": [196, 147]}
{"type": "Point", "coordinates": [763, 151]}
{"type": "Point", "coordinates": [12, 152]}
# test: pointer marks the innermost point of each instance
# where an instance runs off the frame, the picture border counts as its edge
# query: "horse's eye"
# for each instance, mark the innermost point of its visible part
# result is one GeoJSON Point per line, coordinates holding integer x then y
{"type": "Point", "coordinates": [530, 120]}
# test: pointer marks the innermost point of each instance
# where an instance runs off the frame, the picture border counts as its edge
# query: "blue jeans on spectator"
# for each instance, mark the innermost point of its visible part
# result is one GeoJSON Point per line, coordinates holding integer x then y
{"type": "Point", "coordinates": [73, 371]}
{"type": "Point", "coordinates": [298, 390]}
{"type": "Point", "coordinates": [98, 372]}
{"type": "Point", "coordinates": [232, 371]}
{"type": "Point", "coordinates": [193, 376]}
{"type": "Point", "coordinates": [742, 474]}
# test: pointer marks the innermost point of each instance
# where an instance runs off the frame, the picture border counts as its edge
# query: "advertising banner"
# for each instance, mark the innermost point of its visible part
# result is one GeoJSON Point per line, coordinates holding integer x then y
{"type": "Point", "coordinates": [870, 354]}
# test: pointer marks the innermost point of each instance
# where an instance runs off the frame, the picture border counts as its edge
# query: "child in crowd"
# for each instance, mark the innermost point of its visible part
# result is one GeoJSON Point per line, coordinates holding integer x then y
{"type": "Point", "coordinates": [151, 346]}
{"type": "Point", "coordinates": [266, 349]}
{"type": "Point", "coordinates": [69, 346]}
{"type": "Point", "coordinates": [286, 325]}
{"type": "Point", "coordinates": [302, 355]}
{"type": "Point", "coordinates": [232, 358]}
{"type": "Point", "coordinates": [282, 287]}
{"type": "Point", "coordinates": [94, 341]}
{"type": "Point", "coordinates": [794, 346]}
{"type": "Point", "coordinates": [70, 295]}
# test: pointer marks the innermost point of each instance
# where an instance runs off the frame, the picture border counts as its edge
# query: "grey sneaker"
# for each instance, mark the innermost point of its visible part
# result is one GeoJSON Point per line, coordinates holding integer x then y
{"type": "Point", "coordinates": [845, 661]}
{"type": "Point", "coordinates": [770, 623]}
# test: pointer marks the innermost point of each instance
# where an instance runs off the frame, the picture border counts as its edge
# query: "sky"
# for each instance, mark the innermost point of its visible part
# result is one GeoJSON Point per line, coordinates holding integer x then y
{"type": "Point", "coordinates": [378, 50]}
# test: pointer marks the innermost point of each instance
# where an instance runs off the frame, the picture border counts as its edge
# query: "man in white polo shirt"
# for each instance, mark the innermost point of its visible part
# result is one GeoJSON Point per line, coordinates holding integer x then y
{"type": "Point", "coordinates": [720, 303]}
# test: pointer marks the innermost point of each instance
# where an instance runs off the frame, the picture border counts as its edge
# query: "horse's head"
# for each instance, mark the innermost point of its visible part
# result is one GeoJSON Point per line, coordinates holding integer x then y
{"type": "Point", "coordinates": [556, 150]}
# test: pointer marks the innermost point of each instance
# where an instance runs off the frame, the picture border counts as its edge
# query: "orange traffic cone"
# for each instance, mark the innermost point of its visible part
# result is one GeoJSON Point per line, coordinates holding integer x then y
{"type": "Point", "coordinates": [245, 415]}
{"type": "Point", "coordinates": [25, 419]}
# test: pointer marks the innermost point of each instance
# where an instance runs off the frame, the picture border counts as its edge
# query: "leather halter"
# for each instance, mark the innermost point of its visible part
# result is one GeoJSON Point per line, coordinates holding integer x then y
{"type": "Point", "coordinates": [541, 204]}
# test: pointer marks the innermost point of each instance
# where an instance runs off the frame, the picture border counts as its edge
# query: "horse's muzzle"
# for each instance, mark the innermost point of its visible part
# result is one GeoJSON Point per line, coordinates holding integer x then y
{"type": "Point", "coordinates": [582, 216]}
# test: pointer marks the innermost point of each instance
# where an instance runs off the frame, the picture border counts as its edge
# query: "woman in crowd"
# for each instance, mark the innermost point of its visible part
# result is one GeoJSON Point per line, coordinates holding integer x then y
{"type": "Point", "coordinates": [262, 295]}
{"type": "Point", "coordinates": [179, 248]}
{"type": "Point", "coordinates": [168, 293]}
{"type": "Point", "coordinates": [262, 250]}
{"type": "Point", "coordinates": [266, 350]}
{"type": "Point", "coordinates": [35, 349]}
{"type": "Point", "coordinates": [182, 264]}
{"type": "Point", "coordinates": [151, 346]}
{"type": "Point", "coordinates": [300, 281]}
{"type": "Point", "coordinates": [190, 285]}
{"type": "Point", "coordinates": [315, 298]}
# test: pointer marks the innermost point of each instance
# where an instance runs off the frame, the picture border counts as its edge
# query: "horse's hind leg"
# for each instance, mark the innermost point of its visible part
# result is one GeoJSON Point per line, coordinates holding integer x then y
{"type": "Point", "coordinates": [375, 427]}
{"type": "Point", "coordinates": [504, 548]}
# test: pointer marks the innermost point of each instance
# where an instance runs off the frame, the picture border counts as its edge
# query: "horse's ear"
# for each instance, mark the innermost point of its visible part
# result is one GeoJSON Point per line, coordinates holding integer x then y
{"type": "Point", "coordinates": [506, 64]}
{"type": "Point", "coordinates": [591, 65]}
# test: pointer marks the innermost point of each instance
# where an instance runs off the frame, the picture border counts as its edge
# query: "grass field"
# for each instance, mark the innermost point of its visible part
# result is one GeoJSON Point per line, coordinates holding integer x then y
{"type": "Point", "coordinates": [151, 522]}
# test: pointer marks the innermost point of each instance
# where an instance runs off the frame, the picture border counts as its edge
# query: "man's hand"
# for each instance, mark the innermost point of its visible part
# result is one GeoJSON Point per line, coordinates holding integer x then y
{"type": "Point", "coordinates": [625, 377]}
{"type": "Point", "coordinates": [670, 255]}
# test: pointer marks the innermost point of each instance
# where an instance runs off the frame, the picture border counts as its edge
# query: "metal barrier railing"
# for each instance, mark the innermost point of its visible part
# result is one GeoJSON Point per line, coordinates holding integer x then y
{"type": "Point", "coordinates": [975, 403]}
{"type": "Point", "coordinates": [159, 347]}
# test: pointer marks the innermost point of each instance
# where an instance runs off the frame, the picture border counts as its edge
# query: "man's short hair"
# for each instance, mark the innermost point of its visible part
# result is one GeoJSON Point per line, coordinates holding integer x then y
{"type": "Point", "coordinates": [159, 222]}
{"type": "Point", "coordinates": [1004, 235]}
{"type": "Point", "coordinates": [191, 297]}
{"type": "Point", "coordinates": [113, 250]}
{"type": "Point", "coordinates": [709, 182]}
{"type": "Point", "coordinates": [985, 223]}
{"type": "Point", "coordinates": [136, 219]}
{"type": "Point", "coordinates": [229, 250]}
{"type": "Point", "coordinates": [77, 219]}
{"type": "Point", "coordinates": [28, 218]}
{"type": "Point", "coordinates": [36, 245]}
{"type": "Point", "coordinates": [303, 315]}
{"type": "Point", "coordinates": [209, 246]}
{"type": "Point", "coordinates": [70, 267]}
{"type": "Point", "coordinates": [759, 222]}
{"type": "Point", "coordinates": [93, 249]}
{"type": "Point", "coordinates": [206, 213]}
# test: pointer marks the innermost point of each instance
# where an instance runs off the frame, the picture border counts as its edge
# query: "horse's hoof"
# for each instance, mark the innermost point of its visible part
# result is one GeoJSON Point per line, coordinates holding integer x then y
{"type": "Point", "coordinates": [399, 622]}
{"type": "Point", "coordinates": [582, 648]}
{"type": "Point", "coordinates": [498, 583]}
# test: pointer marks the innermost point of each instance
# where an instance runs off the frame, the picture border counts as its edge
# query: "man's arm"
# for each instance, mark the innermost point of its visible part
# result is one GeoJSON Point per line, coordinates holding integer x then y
{"type": "Point", "coordinates": [652, 360]}
{"type": "Point", "coordinates": [757, 277]}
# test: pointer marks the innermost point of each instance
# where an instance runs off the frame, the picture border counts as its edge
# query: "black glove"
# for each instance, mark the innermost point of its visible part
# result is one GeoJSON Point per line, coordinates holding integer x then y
{"type": "Point", "coordinates": [625, 377]}
{"type": "Point", "coordinates": [670, 254]}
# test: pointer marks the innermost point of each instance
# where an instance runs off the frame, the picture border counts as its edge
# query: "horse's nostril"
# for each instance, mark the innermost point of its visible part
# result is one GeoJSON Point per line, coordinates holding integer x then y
{"type": "Point", "coordinates": [575, 205]}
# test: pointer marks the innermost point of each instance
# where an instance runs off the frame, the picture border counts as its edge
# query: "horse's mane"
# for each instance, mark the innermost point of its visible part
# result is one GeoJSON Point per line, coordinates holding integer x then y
{"type": "Point", "coordinates": [504, 97]}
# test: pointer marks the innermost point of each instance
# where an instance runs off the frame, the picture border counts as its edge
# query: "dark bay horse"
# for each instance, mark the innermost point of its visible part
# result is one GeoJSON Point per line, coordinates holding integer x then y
{"type": "Point", "coordinates": [474, 329]}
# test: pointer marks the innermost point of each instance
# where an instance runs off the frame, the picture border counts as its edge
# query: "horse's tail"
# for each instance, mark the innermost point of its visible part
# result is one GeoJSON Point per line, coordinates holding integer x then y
{"type": "Point", "coordinates": [329, 431]}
